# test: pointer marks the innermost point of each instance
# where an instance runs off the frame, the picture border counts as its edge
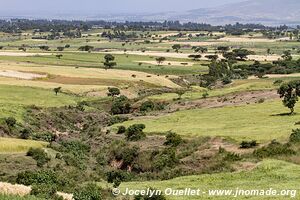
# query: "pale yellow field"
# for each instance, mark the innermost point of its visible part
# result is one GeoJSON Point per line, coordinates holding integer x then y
{"type": "Point", "coordinates": [12, 145]}
{"type": "Point", "coordinates": [101, 74]}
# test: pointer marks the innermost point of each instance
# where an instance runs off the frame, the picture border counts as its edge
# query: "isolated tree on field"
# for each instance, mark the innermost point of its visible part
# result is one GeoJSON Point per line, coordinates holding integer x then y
{"type": "Point", "coordinates": [60, 48]}
{"type": "Point", "coordinates": [160, 60]}
{"type": "Point", "coordinates": [242, 53]}
{"type": "Point", "coordinates": [57, 90]}
{"type": "Point", "coordinates": [59, 56]}
{"type": "Point", "coordinates": [113, 92]}
{"type": "Point", "coordinates": [223, 49]}
{"type": "Point", "coordinates": [109, 61]}
{"type": "Point", "coordinates": [180, 92]}
{"type": "Point", "coordinates": [176, 47]}
{"type": "Point", "coordinates": [290, 93]}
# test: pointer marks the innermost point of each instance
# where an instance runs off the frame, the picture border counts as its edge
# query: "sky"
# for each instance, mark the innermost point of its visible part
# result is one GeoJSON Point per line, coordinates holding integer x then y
{"type": "Point", "coordinates": [107, 6]}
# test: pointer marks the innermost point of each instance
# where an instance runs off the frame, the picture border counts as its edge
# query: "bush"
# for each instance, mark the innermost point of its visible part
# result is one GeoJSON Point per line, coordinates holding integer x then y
{"type": "Point", "coordinates": [277, 82]}
{"type": "Point", "coordinates": [10, 121]}
{"type": "Point", "coordinates": [120, 105]}
{"type": "Point", "coordinates": [135, 132]}
{"type": "Point", "coordinates": [121, 129]}
{"type": "Point", "coordinates": [112, 92]}
{"type": "Point", "coordinates": [147, 106]}
{"type": "Point", "coordinates": [295, 136]}
{"type": "Point", "coordinates": [39, 156]}
{"type": "Point", "coordinates": [248, 145]}
{"type": "Point", "coordinates": [46, 191]}
{"type": "Point", "coordinates": [173, 139]}
{"type": "Point", "coordinates": [37, 177]}
{"type": "Point", "coordinates": [25, 133]}
{"type": "Point", "coordinates": [166, 158]}
{"type": "Point", "coordinates": [116, 177]}
{"type": "Point", "coordinates": [274, 149]}
{"type": "Point", "coordinates": [88, 192]}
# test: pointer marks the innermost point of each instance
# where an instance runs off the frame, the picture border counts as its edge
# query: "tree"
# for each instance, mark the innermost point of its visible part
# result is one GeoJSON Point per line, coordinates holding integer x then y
{"type": "Point", "coordinates": [223, 49]}
{"type": "Point", "coordinates": [112, 92]}
{"type": "Point", "coordinates": [59, 56]}
{"type": "Point", "coordinates": [60, 48]}
{"type": "Point", "coordinates": [86, 48]}
{"type": "Point", "coordinates": [108, 63]}
{"type": "Point", "coordinates": [160, 60]}
{"type": "Point", "coordinates": [200, 49]}
{"type": "Point", "coordinates": [57, 90]}
{"type": "Point", "coordinates": [290, 93]}
{"type": "Point", "coordinates": [180, 93]}
{"type": "Point", "coordinates": [44, 47]}
{"type": "Point", "coordinates": [176, 47]}
{"type": "Point", "coordinates": [10, 121]}
{"type": "Point", "coordinates": [242, 53]}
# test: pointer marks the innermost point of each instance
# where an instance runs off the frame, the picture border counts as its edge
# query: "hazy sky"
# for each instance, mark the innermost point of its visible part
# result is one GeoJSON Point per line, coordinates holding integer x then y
{"type": "Point", "coordinates": [109, 6]}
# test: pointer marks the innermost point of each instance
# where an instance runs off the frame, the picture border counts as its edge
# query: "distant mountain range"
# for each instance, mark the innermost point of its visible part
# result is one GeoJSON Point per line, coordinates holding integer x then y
{"type": "Point", "coordinates": [268, 12]}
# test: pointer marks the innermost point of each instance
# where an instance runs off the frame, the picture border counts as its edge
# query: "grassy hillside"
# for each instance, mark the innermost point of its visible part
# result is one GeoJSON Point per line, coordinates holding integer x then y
{"type": "Point", "coordinates": [261, 122]}
{"type": "Point", "coordinates": [268, 174]}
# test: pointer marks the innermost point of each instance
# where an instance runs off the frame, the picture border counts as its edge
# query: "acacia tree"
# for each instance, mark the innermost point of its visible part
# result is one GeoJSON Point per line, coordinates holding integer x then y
{"type": "Point", "coordinates": [160, 60]}
{"type": "Point", "coordinates": [109, 61]}
{"type": "Point", "coordinates": [290, 93]}
{"type": "Point", "coordinates": [176, 47]}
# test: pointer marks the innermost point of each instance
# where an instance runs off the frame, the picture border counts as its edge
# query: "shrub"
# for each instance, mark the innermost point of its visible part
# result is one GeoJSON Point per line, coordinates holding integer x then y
{"type": "Point", "coordinates": [25, 133]}
{"type": "Point", "coordinates": [248, 145]}
{"type": "Point", "coordinates": [116, 177]}
{"type": "Point", "coordinates": [37, 177]}
{"type": "Point", "coordinates": [112, 92]}
{"type": "Point", "coordinates": [120, 105]}
{"type": "Point", "coordinates": [121, 129]}
{"type": "Point", "coordinates": [295, 136]}
{"type": "Point", "coordinates": [39, 156]}
{"type": "Point", "coordinates": [46, 191]}
{"type": "Point", "coordinates": [88, 192]}
{"type": "Point", "coordinates": [147, 106]}
{"type": "Point", "coordinates": [205, 95]}
{"type": "Point", "coordinates": [277, 82]}
{"type": "Point", "coordinates": [273, 149]}
{"type": "Point", "coordinates": [173, 139]}
{"type": "Point", "coordinates": [10, 121]}
{"type": "Point", "coordinates": [166, 158]}
{"type": "Point", "coordinates": [135, 132]}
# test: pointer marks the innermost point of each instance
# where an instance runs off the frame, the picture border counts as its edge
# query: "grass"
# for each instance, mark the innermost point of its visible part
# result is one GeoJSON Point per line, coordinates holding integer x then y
{"type": "Point", "coordinates": [273, 174]}
{"type": "Point", "coordinates": [257, 121]}
{"type": "Point", "coordinates": [15, 98]}
{"type": "Point", "coordinates": [11, 145]}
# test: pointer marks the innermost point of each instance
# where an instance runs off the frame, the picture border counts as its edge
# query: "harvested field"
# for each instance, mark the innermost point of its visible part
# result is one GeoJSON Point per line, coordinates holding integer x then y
{"type": "Point", "coordinates": [21, 75]}
{"type": "Point", "coordinates": [168, 63]}
{"type": "Point", "coordinates": [17, 54]}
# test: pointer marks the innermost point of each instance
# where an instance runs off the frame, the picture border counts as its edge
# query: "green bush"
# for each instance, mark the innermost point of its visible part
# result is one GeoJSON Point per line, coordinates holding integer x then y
{"type": "Point", "coordinates": [121, 129]}
{"type": "Point", "coordinates": [295, 136]}
{"type": "Point", "coordinates": [116, 177]}
{"type": "Point", "coordinates": [147, 106]}
{"type": "Point", "coordinates": [274, 149]}
{"type": "Point", "coordinates": [37, 177]}
{"type": "Point", "coordinates": [173, 139]}
{"type": "Point", "coordinates": [166, 158]}
{"type": "Point", "coordinates": [46, 191]}
{"type": "Point", "coordinates": [248, 145]}
{"type": "Point", "coordinates": [120, 105]}
{"type": "Point", "coordinates": [10, 121]}
{"type": "Point", "coordinates": [39, 156]}
{"type": "Point", "coordinates": [88, 192]}
{"type": "Point", "coordinates": [112, 92]}
{"type": "Point", "coordinates": [135, 132]}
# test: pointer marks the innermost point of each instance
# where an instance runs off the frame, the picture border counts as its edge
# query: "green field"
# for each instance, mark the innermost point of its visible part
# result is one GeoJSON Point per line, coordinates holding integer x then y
{"type": "Point", "coordinates": [257, 121]}
{"type": "Point", "coordinates": [8, 197]}
{"type": "Point", "coordinates": [273, 174]}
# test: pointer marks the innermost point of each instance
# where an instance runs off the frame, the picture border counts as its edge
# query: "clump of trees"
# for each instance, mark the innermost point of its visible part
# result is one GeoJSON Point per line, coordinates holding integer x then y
{"type": "Point", "coordinates": [135, 132]}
